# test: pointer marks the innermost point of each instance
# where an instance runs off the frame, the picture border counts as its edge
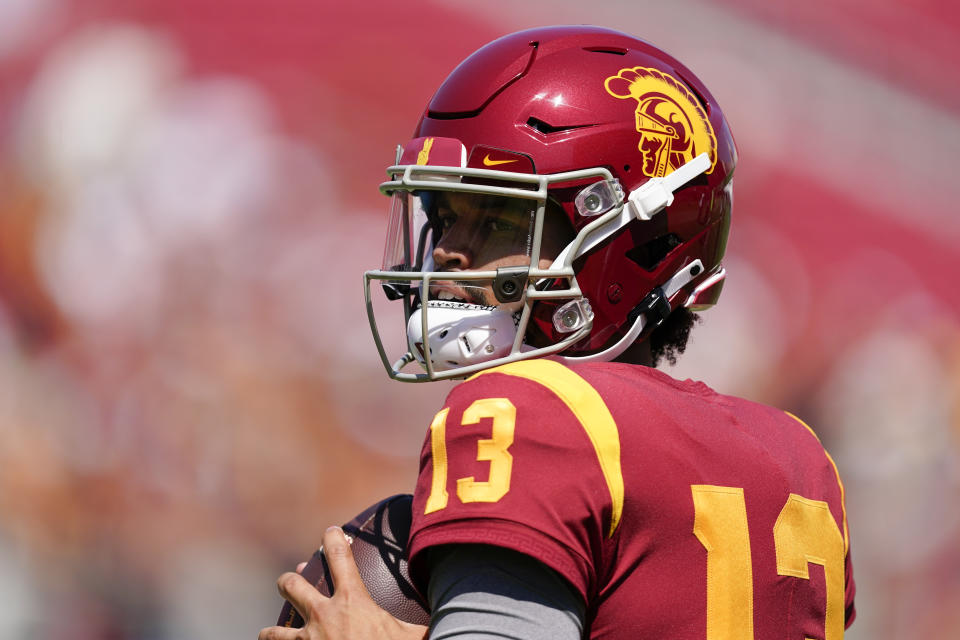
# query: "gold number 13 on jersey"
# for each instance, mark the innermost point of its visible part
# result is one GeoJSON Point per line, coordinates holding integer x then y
{"type": "Point", "coordinates": [492, 450]}
{"type": "Point", "coordinates": [805, 532]}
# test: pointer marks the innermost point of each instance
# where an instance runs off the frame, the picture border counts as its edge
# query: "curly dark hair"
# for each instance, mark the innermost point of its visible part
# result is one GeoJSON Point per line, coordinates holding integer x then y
{"type": "Point", "coordinates": [669, 340]}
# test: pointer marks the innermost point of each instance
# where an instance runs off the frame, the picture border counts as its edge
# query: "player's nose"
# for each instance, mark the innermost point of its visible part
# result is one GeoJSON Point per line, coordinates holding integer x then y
{"type": "Point", "coordinates": [452, 254]}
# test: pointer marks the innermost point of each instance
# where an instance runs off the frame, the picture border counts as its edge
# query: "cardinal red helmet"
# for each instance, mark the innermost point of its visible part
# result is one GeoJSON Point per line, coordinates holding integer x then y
{"type": "Point", "coordinates": [596, 126]}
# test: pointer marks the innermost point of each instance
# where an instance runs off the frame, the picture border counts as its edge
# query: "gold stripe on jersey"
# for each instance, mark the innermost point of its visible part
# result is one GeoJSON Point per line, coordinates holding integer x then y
{"type": "Point", "coordinates": [843, 500]}
{"type": "Point", "coordinates": [592, 412]}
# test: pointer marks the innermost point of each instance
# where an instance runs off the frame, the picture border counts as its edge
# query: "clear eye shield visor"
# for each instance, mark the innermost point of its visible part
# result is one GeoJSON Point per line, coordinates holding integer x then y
{"type": "Point", "coordinates": [453, 231]}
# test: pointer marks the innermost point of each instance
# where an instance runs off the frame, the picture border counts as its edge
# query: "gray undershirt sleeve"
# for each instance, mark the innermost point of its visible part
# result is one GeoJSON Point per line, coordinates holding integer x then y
{"type": "Point", "coordinates": [480, 592]}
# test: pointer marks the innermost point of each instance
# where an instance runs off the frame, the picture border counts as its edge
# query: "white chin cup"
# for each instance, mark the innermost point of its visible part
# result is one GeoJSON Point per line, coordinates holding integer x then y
{"type": "Point", "coordinates": [461, 334]}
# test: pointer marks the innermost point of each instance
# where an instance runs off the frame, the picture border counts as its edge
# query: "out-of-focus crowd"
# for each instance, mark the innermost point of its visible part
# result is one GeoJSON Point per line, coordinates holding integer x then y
{"type": "Point", "coordinates": [189, 393]}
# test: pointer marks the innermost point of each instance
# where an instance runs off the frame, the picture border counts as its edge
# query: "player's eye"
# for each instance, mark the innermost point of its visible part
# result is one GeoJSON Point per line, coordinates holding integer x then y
{"type": "Point", "coordinates": [500, 225]}
{"type": "Point", "coordinates": [447, 219]}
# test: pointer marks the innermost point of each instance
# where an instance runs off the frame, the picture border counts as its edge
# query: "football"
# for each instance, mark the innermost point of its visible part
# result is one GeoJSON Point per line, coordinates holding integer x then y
{"type": "Point", "coordinates": [379, 541]}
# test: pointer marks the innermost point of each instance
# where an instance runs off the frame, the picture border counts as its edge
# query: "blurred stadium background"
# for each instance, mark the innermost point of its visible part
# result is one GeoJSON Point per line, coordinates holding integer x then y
{"type": "Point", "coordinates": [188, 391]}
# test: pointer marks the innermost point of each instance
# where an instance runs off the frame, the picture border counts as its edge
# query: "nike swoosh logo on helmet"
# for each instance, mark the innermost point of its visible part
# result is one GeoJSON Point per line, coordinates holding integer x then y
{"type": "Point", "coordinates": [492, 163]}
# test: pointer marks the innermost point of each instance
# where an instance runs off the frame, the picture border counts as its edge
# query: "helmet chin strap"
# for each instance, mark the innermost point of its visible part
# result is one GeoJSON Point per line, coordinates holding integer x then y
{"type": "Point", "coordinates": [659, 296]}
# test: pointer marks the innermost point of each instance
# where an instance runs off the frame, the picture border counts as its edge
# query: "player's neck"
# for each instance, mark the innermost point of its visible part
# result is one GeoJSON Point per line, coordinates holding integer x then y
{"type": "Point", "coordinates": [637, 353]}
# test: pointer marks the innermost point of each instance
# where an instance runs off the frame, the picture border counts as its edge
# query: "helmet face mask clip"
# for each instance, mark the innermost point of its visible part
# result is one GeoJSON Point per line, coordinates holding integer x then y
{"type": "Point", "coordinates": [509, 284]}
{"type": "Point", "coordinates": [598, 198]}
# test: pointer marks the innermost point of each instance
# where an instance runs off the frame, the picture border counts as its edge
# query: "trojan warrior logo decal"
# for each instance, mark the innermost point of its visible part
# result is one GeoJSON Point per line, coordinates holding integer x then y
{"type": "Point", "coordinates": [673, 127]}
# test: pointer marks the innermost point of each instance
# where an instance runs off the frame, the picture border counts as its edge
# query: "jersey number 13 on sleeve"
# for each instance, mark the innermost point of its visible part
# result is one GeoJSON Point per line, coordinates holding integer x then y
{"type": "Point", "coordinates": [492, 450]}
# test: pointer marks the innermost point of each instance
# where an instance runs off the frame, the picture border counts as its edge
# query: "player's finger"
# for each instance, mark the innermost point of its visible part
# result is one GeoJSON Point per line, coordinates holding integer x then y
{"type": "Point", "coordinates": [343, 568]}
{"type": "Point", "coordinates": [300, 567]}
{"type": "Point", "coordinates": [298, 592]}
{"type": "Point", "coordinates": [278, 633]}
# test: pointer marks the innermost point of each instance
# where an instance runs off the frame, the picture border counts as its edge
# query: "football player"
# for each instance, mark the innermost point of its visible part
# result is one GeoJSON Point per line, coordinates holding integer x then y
{"type": "Point", "coordinates": [559, 216]}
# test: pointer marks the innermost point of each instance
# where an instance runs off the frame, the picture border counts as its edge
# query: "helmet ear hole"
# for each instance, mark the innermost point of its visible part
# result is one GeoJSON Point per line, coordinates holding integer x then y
{"type": "Point", "coordinates": [649, 254]}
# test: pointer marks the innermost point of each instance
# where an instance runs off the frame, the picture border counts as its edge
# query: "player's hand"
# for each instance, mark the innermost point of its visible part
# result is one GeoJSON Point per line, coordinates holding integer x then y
{"type": "Point", "coordinates": [350, 614]}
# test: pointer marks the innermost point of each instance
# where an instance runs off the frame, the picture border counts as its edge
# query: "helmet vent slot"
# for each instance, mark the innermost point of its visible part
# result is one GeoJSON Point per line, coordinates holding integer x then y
{"type": "Point", "coordinates": [539, 125]}
{"type": "Point", "coordinates": [617, 51]}
{"type": "Point", "coordinates": [650, 254]}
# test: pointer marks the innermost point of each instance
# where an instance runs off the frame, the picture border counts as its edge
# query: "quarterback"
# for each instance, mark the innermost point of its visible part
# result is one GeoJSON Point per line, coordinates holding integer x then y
{"type": "Point", "coordinates": [557, 220]}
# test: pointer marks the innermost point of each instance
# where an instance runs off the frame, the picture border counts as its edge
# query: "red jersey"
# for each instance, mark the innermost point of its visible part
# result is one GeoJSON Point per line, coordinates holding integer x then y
{"type": "Point", "coordinates": [675, 511]}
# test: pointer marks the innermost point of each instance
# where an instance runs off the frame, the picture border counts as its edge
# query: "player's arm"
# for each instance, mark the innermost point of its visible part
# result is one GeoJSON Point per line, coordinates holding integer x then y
{"type": "Point", "coordinates": [480, 591]}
